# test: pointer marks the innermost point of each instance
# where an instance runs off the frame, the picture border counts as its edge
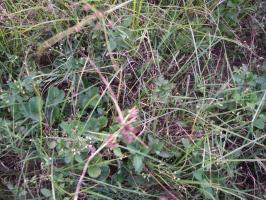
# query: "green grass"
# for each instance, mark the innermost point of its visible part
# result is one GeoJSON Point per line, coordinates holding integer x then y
{"type": "Point", "coordinates": [194, 70]}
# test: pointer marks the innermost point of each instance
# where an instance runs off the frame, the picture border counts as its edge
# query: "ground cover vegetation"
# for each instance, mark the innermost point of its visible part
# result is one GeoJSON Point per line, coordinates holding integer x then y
{"type": "Point", "coordinates": [116, 99]}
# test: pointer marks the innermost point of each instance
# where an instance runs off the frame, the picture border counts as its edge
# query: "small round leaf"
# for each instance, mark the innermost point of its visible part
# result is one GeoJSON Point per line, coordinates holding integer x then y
{"type": "Point", "coordinates": [94, 171]}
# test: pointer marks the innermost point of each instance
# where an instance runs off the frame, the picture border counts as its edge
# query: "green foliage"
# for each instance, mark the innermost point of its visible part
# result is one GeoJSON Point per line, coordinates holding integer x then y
{"type": "Point", "coordinates": [94, 171]}
{"type": "Point", "coordinates": [54, 97]}
{"type": "Point", "coordinates": [260, 121]}
{"type": "Point", "coordinates": [138, 163]}
{"type": "Point", "coordinates": [32, 109]}
{"type": "Point", "coordinates": [232, 12]}
{"type": "Point", "coordinates": [89, 99]}
{"type": "Point", "coordinates": [120, 35]}
{"type": "Point", "coordinates": [163, 89]}
{"type": "Point", "coordinates": [46, 193]}
{"type": "Point", "coordinates": [201, 124]}
{"type": "Point", "coordinates": [205, 186]}
{"type": "Point", "coordinates": [117, 151]}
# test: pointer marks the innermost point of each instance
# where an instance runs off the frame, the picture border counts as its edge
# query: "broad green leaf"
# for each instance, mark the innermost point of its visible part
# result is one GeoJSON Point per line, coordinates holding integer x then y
{"type": "Point", "coordinates": [102, 122]}
{"type": "Point", "coordinates": [55, 115]}
{"type": "Point", "coordinates": [79, 159]}
{"type": "Point", "coordinates": [175, 152]}
{"type": "Point", "coordinates": [68, 127]}
{"type": "Point", "coordinates": [198, 175]}
{"type": "Point", "coordinates": [45, 192]}
{"type": "Point", "coordinates": [117, 151]}
{"type": "Point", "coordinates": [259, 122]}
{"type": "Point", "coordinates": [92, 125]}
{"type": "Point", "coordinates": [33, 108]}
{"type": "Point", "coordinates": [89, 99]}
{"type": "Point", "coordinates": [97, 160]}
{"type": "Point", "coordinates": [126, 21]}
{"type": "Point", "coordinates": [94, 171]}
{"type": "Point", "coordinates": [155, 144]}
{"type": "Point", "coordinates": [138, 163]}
{"type": "Point", "coordinates": [54, 97]}
{"type": "Point", "coordinates": [105, 171]}
{"type": "Point", "coordinates": [68, 157]}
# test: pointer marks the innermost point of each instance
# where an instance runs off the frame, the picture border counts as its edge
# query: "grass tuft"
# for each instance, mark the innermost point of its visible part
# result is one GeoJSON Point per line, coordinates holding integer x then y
{"type": "Point", "coordinates": [132, 99]}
